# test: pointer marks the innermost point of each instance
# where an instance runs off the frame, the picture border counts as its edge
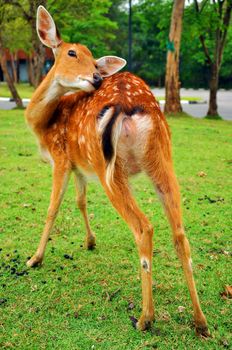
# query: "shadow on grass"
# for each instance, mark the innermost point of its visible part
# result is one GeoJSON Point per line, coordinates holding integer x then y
{"type": "Point", "coordinates": [18, 108]}
{"type": "Point", "coordinates": [213, 117]}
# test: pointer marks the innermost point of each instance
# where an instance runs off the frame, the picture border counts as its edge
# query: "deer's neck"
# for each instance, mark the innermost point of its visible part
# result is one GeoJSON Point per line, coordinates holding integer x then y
{"type": "Point", "coordinates": [44, 102]}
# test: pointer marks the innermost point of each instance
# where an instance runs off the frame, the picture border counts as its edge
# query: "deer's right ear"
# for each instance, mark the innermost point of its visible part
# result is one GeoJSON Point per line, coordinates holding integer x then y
{"type": "Point", "coordinates": [46, 29]}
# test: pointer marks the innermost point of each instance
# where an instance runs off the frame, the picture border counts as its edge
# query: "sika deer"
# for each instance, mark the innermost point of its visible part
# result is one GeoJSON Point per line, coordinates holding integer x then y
{"type": "Point", "coordinates": [112, 127]}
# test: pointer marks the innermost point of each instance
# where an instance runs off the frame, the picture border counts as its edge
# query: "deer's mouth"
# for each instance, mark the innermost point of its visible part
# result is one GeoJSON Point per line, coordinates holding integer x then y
{"type": "Point", "coordinates": [78, 84]}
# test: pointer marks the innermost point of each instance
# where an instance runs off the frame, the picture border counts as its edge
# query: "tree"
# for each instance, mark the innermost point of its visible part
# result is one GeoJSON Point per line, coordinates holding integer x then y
{"type": "Point", "coordinates": [27, 9]}
{"type": "Point", "coordinates": [226, 67]}
{"type": "Point", "coordinates": [220, 14]}
{"type": "Point", "coordinates": [8, 78]}
{"type": "Point", "coordinates": [86, 22]}
{"type": "Point", "coordinates": [37, 56]}
{"type": "Point", "coordinates": [172, 84]}
{"type": "Point", "coordinates": [13, 41]}
{"type": "Point", "coordinates": [150, 29]}
{"type": "Point", "coordinates": [6, 18]}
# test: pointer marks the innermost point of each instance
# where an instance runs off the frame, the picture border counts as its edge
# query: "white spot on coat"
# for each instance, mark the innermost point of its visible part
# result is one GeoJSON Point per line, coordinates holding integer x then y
{"type": "Point", "coordinates": [190, 264]}
{"type": "Point", "coordinates": [145, 264]}
{"type": "Point", "coordinates": [81, 139]}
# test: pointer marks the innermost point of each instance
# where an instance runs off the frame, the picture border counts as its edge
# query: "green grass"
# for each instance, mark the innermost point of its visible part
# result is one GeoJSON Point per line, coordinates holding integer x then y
{"type": "Point", "coordinates": [24, 90]}
{"type": "Point", "coordinates": [184, 98]}
{"type": "Point", "coordinates": [63, 304]}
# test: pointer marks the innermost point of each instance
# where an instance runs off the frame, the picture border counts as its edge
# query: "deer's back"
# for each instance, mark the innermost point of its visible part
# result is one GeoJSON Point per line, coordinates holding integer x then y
{"type": "Point", "coordinates": [72, 132]}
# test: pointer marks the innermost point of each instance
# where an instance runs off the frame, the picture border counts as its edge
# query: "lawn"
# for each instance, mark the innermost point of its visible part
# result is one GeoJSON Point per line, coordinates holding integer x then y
{"type": "Point", "coordinates": [24, 90]}
{"type": "Point", "coordinates": [183, 98]}
{"type": "Point", "coordinates": [65, 303]}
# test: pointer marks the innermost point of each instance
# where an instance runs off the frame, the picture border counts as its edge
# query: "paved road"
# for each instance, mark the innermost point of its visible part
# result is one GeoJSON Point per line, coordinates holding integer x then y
{"type": "Point", "coordinates": [196, 110]}
{"type": "Point", "coordinates": [224, 101]}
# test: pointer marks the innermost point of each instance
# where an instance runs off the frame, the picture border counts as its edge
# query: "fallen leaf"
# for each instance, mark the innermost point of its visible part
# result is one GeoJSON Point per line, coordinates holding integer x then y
{"type": "Point", "coordinates": [202, 174]}
{"type": "Point", "coordinates": [200, 266]}
{"type": "Point", "coordinates": [91, 216]}
{"type": "Point", "coordinates": [225, 343]}
{"type": "Point", "coordinates": [26, 205]}
{"type": "Point", "coordinates": [130, 306]}
{"type": "Point", "coordinates": [102, 318]}
{"type": "Point", "coordinates": [225, 252]}
{"type": "Point", "coordinates": [165, 316]}
{"type": "Point", "coordinates": [34, 288]}
{"type": "Point", "coordinates": [181, 309]}
{"type": "Point", "coordinates": [110, 296]}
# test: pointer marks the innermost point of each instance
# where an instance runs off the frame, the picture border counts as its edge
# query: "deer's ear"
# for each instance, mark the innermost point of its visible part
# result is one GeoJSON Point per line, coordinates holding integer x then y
{"type": "Point", "coordinates": [46, 29]}
{"type": "Point", "coordinates": [108, 65]}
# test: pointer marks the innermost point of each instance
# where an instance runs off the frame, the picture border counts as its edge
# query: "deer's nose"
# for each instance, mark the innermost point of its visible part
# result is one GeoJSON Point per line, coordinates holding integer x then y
{"type": "Point", "coordinates": [97, 80]}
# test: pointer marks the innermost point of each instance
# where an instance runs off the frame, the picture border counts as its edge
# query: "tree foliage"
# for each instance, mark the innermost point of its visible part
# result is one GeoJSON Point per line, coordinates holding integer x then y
{"type": "Point", "coordinates": [102, 25]}
{"type": "Point", "coordinates": [7, 17]}
{"type": "Point", "coordinates": [12, 26]}
{"type": "Point", "coordinates": [86, 22]}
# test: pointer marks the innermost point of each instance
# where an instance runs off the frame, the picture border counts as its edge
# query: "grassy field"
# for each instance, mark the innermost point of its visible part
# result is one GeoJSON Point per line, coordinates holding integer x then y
{"type": "Point", "coordinates": [65, 303]}
{"type": "Point", "coordinates": [24, 90]}
{"type": "Point", "coordinates": [183, 98]}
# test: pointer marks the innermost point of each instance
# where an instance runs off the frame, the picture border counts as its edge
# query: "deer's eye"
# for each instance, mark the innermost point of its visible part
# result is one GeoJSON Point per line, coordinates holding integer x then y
{"type": "Point", "coordinates": [72, 53]}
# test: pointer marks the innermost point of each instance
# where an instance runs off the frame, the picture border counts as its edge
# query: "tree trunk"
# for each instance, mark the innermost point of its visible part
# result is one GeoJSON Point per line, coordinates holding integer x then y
{"type": "Point", "coordinates": [38, 59]}
{"type": "Point", "coordinates": [9, 80]}
{"type": "Point", "coordinates": [29, 69]}
{"type": "Point", "coordinates": [223, 9]}
{"type": "Point", "coordinates": [213, 87]}
{"type": "Point", "coordinates": [172, 83]}
{"type": "Point", "coordinates": [14, 68]}
{"type": "Point", "coordinates": [37, 64]}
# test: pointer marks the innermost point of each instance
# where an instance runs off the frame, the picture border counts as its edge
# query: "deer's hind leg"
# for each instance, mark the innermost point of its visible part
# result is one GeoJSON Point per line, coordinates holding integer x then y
{"type": "Point", "coordinates": [121, 198]}
{"type": "Point", "coordinates": [61, 173]}
{"type": "Point", "coordinates": [162, 174]}
{"type": "Point", "coordinates": [81, 185]}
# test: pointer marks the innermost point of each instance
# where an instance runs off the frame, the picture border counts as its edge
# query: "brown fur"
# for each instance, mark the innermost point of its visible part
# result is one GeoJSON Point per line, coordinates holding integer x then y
{"type": "Point", "coordinates": [67, 128]}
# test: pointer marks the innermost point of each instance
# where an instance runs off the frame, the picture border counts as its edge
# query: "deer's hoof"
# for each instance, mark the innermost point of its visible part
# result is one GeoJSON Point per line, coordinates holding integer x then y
{"type": "Point", "coordinates": [91, 242]}
{"type": "Point", "coordinates": [202, 331]}
{"type": "Point", "coordinates": [142, 324]}
{"type": "Point", "coordinates": [34, 261]}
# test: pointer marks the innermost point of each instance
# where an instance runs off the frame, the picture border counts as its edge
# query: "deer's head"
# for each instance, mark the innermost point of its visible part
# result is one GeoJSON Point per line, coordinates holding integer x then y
{"type": "Point", "coordinates": [75, 68]}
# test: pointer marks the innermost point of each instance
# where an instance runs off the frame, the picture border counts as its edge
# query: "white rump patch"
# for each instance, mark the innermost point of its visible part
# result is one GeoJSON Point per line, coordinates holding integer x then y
{"type": "Point", "coordinates": [143, 124]}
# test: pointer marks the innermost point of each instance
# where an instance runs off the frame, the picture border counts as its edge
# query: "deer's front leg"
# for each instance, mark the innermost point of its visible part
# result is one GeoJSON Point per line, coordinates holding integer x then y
{"type": "Point", "coordinates": [60, 181]}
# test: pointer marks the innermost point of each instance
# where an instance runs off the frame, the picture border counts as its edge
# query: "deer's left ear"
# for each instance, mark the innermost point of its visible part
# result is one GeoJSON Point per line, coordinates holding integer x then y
{"type": "Point", "coordinates": [46, 29]}
{"type": "Point", "coordinates": [108, 65]}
